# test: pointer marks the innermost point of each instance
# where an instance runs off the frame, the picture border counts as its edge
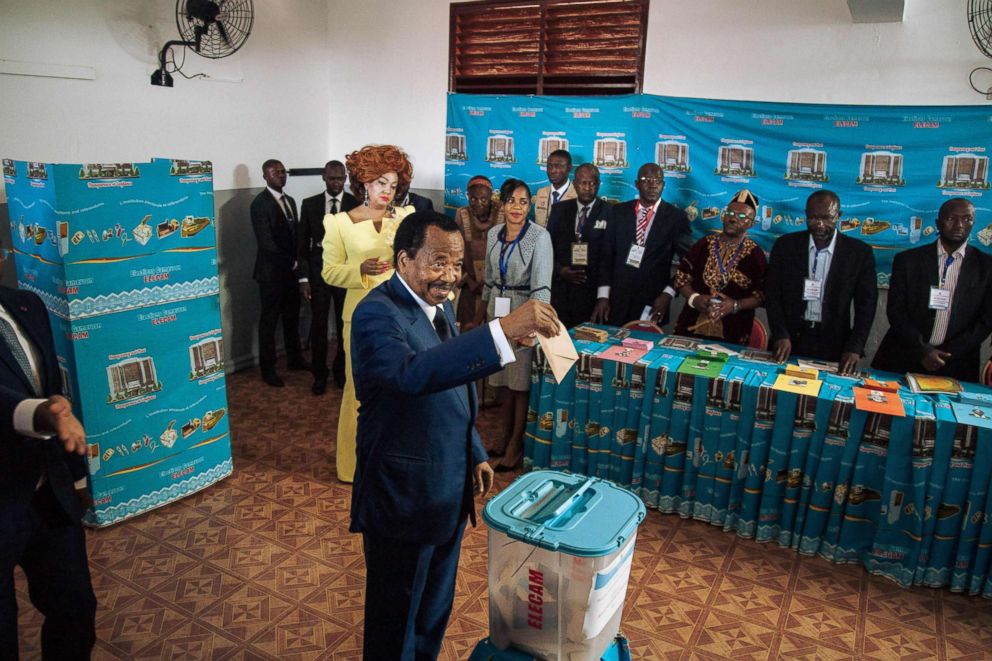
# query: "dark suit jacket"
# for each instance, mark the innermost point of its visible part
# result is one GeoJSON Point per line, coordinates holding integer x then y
{"type": "Point", "coordinates": [574, 303]}
{"type": "Point", "coordinates": [631, 289]}
{"type": "Point", "coordinates": [417, 443]}
{"type": "Point", "coordinates": [310, 233]}
{"type": "Point", "coordinates": [26, 458]}
{"type": "Point", "coordinates": [911, 320]}
{"type": "Point", "coordinates": [852, 278]}
{"type": "Point", "coordinates": [420, 203]}
{"type": "Point", "coordinates": [274, 235]}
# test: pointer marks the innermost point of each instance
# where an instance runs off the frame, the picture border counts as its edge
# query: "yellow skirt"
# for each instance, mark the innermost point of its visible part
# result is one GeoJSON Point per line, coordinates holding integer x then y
{"type": "Point", "coordinates": [347, 447]}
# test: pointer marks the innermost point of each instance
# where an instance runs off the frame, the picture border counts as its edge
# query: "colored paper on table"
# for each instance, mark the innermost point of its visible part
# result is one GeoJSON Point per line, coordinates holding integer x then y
{"type": "Point", "coordinates": [879, 401]}
{"type": "Point", "coordinates": [887, 386]}
{"type": "Point", "coordinates": [802, 372]}
{"type": "Point", "coordinates": [622, 354]}
{"type": "Point", "coordinates": [929, 384]}
{"type": "Point", "coordinates": [559, 352]}
{"type": "Point", "coordinates": [797, 384]}
{"type": "Point", "coordinates": [977, 415]}
{"type": "Point", "coordinates": [700, 366]}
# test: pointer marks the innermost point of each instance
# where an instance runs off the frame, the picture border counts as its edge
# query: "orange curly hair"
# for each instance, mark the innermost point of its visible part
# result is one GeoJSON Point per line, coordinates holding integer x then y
{"type": "Point", "coordinates": [372, 161]}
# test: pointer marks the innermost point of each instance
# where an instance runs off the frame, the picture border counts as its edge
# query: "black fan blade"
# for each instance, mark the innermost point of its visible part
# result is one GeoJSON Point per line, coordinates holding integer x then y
{"type": "Point", "coordinates": [204, 10]}
{"type": "Point", "coordinates": [223, 32]}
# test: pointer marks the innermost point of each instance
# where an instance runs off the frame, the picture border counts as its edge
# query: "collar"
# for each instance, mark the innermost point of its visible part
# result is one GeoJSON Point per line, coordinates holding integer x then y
{"type": "Point", "coordinates": [958, 254]}
{"type": "Point", "coordinates": [561, 191]}
{"type": "Point", "coordinates": [276, 194]}
{"type": "Point", "coordinates": [339, 197]}
{"type": "Point", "coordinates": [654, 207]}
{"type": "Point", "coordinates": [428, 309]}
{"type": "Point", "coordinates": [829, 249]}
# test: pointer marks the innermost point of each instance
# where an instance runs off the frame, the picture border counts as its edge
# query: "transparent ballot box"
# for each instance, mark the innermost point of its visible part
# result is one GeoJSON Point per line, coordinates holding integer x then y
{"type": "Point", "coordinates": [560, 551]}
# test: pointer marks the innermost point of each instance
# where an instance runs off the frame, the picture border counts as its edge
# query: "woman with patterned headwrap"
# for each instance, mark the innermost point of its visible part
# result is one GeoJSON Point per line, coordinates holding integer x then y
{"type": "Point", "coordinates": [722, 277]}
{"type": "Point", "coordinates": [358, 256]}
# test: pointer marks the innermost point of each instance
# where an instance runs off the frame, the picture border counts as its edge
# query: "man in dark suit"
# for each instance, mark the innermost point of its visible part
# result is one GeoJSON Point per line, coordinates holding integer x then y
{"type": "Point", "coordinates": [313, 288]}
{"type": "Point", "coordinates": [813, 277]}
{"type": "Point", "coordinates": [642, 239]}
{"type": "Point", "coordinates": [577, 228]}
{"type": "Point", "coordinates": [44, 487]}
{"type": "Point", "coordinates": [273, 219]}
{"type": "Point", "coordinates": [419, 454]}
{"type": "Point", "coordinates": [940, 308]}
{"type": "Point", "coordinates": [405, 198]}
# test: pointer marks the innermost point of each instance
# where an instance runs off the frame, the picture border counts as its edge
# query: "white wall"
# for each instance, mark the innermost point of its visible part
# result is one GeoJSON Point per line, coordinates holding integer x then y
{"type": "Point", "coordinates": [279, 108]}
{"type": "Point", "coordinates": [395, 55]}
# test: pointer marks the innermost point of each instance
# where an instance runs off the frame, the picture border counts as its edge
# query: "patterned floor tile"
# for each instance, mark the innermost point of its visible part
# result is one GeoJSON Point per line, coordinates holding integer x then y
{"type": "Point", "coordinates": [261, 566]}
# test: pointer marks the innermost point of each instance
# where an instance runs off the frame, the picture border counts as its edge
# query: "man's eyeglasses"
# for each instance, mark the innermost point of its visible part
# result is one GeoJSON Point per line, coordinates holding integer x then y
{"type": "Point", "coordinates": [650, 180]}
{"type": "Point", "coordinates": [738, 215]}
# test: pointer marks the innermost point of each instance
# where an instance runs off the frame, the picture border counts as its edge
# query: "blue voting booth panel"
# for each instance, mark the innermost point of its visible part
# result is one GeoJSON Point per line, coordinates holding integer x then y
{"type": "Point", "coordinates": [124, 257]}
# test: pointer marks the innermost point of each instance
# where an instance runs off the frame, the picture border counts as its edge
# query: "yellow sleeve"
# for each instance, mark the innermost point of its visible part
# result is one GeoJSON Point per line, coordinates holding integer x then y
{"type": "Point", "coordinates": [336, 270]}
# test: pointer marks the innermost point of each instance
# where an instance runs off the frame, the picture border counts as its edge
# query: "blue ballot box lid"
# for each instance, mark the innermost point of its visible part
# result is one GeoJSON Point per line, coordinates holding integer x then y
{"type": "Point", "coordinates": [573, 514]}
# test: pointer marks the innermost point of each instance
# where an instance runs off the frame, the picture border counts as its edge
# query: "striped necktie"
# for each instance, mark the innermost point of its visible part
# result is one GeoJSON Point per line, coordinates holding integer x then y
{"type": "Point", "coordinates": [642, 224]}
{"type": "Point", "coordinates": [10, 336]}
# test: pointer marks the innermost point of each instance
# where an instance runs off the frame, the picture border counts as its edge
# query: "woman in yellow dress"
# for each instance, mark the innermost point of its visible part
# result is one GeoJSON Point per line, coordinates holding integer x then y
{"type": "Point", "coordinates": [358, 255]}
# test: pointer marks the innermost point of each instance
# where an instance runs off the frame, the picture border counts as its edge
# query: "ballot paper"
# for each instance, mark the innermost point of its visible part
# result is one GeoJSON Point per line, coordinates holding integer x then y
{"type": "Point", "coordinates": [559, 352]}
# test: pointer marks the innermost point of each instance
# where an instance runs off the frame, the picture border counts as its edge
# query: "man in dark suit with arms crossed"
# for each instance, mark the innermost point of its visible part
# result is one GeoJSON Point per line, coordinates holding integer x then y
{"type": "Point", "coordinates": [578, 227]}
{"type": "Point", "coordinates": [939, 306]}
{"type": "Point", "coordinates": [419, 454]}
{"type": "Point", "coordinates": [312, 286]}
{"type": "Point", "coordinates": [813, 277]}
{"type": "Point", "coordinates": [273, 219]}
{"type": "Point", "coordinates": [43, 486]}
{"type": "Point", "coordinates": [642, 238]}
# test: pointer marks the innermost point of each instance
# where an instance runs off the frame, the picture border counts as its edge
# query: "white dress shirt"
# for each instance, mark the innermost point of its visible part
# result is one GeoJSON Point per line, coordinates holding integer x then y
{"type": "Point", "coordinates": [604, 291]}
{"type": "Point", "coordinates": [819, 269]}
{"type": "Point", "coordinates": [327, 201]}
{"type": "Point", "coordinates": [946, 280]}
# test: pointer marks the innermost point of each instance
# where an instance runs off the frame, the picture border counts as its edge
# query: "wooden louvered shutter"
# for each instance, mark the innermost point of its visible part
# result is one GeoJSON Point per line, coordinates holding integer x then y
{"type": "Point", "coordinates": [553, 47]}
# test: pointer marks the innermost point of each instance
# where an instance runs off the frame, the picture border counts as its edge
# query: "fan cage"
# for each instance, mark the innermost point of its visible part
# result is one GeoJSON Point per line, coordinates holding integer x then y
{"type": "Point", "coordinates": [980, 23]}
{"type": "Point", "coordinates": [237, 17]}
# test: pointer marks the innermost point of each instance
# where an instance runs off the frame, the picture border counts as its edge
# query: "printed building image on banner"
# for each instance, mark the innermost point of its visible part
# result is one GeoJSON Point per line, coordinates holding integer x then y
{"type": "Point", "coordinates": [892, 166]}
{"type": "Point", "coordinates": [124, 257]}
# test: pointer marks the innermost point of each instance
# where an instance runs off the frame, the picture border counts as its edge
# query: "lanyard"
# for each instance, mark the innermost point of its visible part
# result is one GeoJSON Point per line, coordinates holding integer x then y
{"type": "Point", "coordinates": [731, 263]}
{"type": "Point", "coordinates": [506, 251]}
{"type": "Point", "coordinates": [947, 265]}
{"type": "Point", "coordinates": [816, 260]}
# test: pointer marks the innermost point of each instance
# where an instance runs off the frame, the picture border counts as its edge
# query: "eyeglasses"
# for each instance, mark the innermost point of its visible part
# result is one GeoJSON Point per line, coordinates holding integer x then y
{"type": "Point", "coordinates": [650, 180]}
{"type": "Point", "coordinates": [739, 215]}
{"type": "Point", "coordinates": [822, 219]}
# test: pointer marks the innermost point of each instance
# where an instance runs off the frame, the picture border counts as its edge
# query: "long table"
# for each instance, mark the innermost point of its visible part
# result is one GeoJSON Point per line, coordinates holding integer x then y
{"type": "Point", "coordinates": [908, 497]}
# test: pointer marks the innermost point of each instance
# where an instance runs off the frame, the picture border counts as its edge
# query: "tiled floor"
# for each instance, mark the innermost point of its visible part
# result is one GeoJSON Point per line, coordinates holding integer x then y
{"type": "Point", "coordinates": [261, 566]}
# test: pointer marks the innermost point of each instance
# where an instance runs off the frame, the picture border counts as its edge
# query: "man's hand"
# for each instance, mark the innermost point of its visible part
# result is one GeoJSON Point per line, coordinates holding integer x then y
{"type": "Point", "coordinates": [848, 362]}
{"type": "Point", "coordinates": [601, 311]}
{"type": "Point", "coordinates": [660, 307]}
{"type": "Point", "coordinates": [782, 350]}
{"type": "Point", "coordinates": [483, 478]}
{"type": "Point", "coordinates": [935, 359]}
{"type": "Point", "coordinates": [573, 274]}
{"type": "Point", "coordinates": [305, 290]}
{"type": "Point", "coordinates": [55, 415]}
{"type": "Point", "coordinates": [726, 307]}
{"type": "Point", "coordinates": [529, 319]}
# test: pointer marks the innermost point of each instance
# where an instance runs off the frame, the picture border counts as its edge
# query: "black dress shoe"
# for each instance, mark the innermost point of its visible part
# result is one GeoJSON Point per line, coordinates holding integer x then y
{"type": "Point", "coordinates": [319, 386]}
{"type": "Point", "coordinates": [298, 365]}
{"type": "Point", "coordinates": [273, 380]}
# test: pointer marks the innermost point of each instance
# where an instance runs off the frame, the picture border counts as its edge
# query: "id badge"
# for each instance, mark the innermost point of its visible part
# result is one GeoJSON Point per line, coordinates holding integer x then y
{"type": "Point", "coordinates": [580, 254]}
{"type": "Point", "coordinates": [940, 299]}
{"type": "Point", "coordinates": [635, 255]}
{"type": "Point", "coordinates": [502, 306]}
{"type": "Point", "coordinates": [812, 290]}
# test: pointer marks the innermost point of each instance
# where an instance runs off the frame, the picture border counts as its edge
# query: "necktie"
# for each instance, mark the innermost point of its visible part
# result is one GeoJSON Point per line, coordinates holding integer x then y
{"type": "Point", "coordinates": [10, 336]}
{"type": "Point", "coordinates": [441, 324]}
{"type": "Point", "coordinates": [642, 224]}
{"type": "Point", "coordinates": [334, 205]}
{"type": "Point", "coordinates": [288, 210]}
{"type": "Point", "coordinates": [554, 197]}
{"type": "Point", "coordinates": [583, 217]}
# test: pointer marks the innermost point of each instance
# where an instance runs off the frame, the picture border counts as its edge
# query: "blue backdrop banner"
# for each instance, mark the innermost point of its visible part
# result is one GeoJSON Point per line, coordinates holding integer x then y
{"type": "Point", "coordinates": [892, 166]}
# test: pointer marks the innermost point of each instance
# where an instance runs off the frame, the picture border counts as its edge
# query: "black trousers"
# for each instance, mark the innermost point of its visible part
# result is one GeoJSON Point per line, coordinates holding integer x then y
{"type": "Point", "coordinates": [51, 550]}
{"type": "Point", "coordinates": [808, 342]}
{"type": "Point", "coordinates": [280, 299]}
{"type": "Point", "coordinates": [409, 592]}
{"type": "Point", "coordinates": [322, 295]}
